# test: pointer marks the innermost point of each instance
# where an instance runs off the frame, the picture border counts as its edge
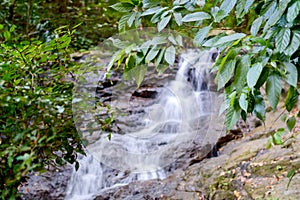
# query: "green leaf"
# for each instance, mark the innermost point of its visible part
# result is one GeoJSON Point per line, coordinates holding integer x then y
{"type": "Point", "coordinates": [157, 16]}
{"type": "Point", "coordinates": [1, 26]}
{"type": "Point", "coordinates": [117, 55]}
{"type": "Point", "coordinates": [293, 11]}
{"type": "Point", "coordinates": [282, 39]}
{"type": "Point", "coordinates": [152, 54]}
{"type": "Point", "coordinates": [158, 40]}
{"type": "Point", "coordinates": [269, 143]}
{"type": "Point", "coordinates": [256, 25]}
{"type": "Point", "coordinates": [6, 35]}
{"type": "Point", "coordinates": [291, 122]}
{"type": "Point", "coordinates": [178, 18]}
{"type": "Point", "coordinates": [290, 176]}
{"type": "Point", "coordinates": [230, 38]}
{"type": "Point", "coordinates": [219, 16]}
{"type": "Point", "coordinates": [123, 7]}
{"type": "Point", "coordinates": [248, 5]}
{"type": "Point", "coordinates": [160, 57]}
{"type": "Point", "coordinates": [201, 34]}
{"type": "Point", "coordinates": [233, 100]}
{"type": "Point", "coordinates": [240, 75]}
{"type": "Point", "coordinates": [60, 109]}
{"type": "Point", "coordinates": [232, 117]}
{"type": "Point", "coordinates": [292, 74]}
{"type": "Point", "coordinates": [224, 106]}
{"type": "Point", "coordinates": [163, 23]}
{"type": "Point", "coordinates": [262, 78]}
{"type": "Point", "coordinates": [225, 73]}
{"type": "Point", "coordinates": [12, 28]}
{"type": "Point", "coordinates": [137, 20]}
{"type": "Point", "coordinates": [135, 71]}
{"type": "Point", "coordinates": [123, 21]}
{"type": "Point", "coordinates": [227, 6]}
{"type": "Point", "coordinates": [269, 10]}
{"type": "Point", "coordinates": [211, 42]}
{"type": "Point", "coordinates": [131, 19]}
{"type": "Point", "coordinates": [259, 107]}
{"type": "Point", "coordinates": [240, 8]}
{"type": "Point", "coordinates": [170, 55]}
{"type": "Point", "coordinates": [273, 89]}
{"type": "Point", "coordinates": [294, 44]}
{"type": "Point", "coordinates": [179, 40]}
{"type": "Point", "coordinates": [151, 11]}
{"type": "Point", "coordinates": [243, 102]}
{"type": "Point", "coordinates": [139, 77]}
{"type": "Point", "coordinates": [172, 39]}
{"type": "Point", "coordinates": [253, 74]}
{"type": "Point", "coordinates": [277, 137]}
{"type": "Point", "coordinates": [290, 173]}
{"type": "Point", "coordinates": [197, 16]}
{"type": "Point", "coordinates": [276, 14]}
{"type": "Point", "coordinates": [291, 98]}
{"type": "Point", "coordinates": [150, 3]}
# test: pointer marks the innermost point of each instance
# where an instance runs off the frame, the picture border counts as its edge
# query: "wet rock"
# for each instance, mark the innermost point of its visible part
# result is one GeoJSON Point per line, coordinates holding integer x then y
{"type": "Point", "coordinates": [46, 186]}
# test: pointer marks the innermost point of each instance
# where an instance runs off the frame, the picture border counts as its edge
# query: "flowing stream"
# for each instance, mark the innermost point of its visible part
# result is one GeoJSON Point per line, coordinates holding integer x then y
{"type": "Point", "coordinates": [176, 123]}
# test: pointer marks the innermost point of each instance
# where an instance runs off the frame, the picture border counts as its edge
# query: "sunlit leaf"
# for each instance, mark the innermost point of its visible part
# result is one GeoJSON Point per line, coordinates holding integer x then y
{"type": "Point", "coordinates": [232, 116]}
{"type": "Point", "coordinates": [224, 106]}
{"type": "Point", "coordinates": [292, 74]}
{"type": "Point", "coordinates": [230, 38]}
{"type": "Point", "coordinates": [178, 18]}
{"type": "Point", "coordinates": [243, 102]}
{"type": "Point", "coordinates": [123, 7]}
{"type": "Point", "coordinates": [293, 11]}
{"type": "Point", "coordinates": [227, 6]}
{"type": "Point", "coordinates": [170, 55]}
{"type": "Point", "coordinates": [256, 25]}
{"type": "Point", "coordinates": [197, 16]}
{"type": "Point", "coordinates": [294, 44]}
{"type": "Point", "coordinates": [240, 8]}
{"type": "Point", "coordinates": [163, 23]}
{"type": "Point", "coordinates": [201, 34]}
{"type": "Point", "coordinates": [151, 11]}
{"type": "Point", "coordinates": [157, 16]}
{"type": "Point", "coordinates": [131, 19]}
{"type": "Point", "coordinates": [151, 54]}
{"type": "Point", "coordinates": [282, 39]}
{"type": "Point", "coordinates": [253, 74]}
{"type": "Point", "coordinates": [123, 21]}
{"type": "Point", "coordinates": [159, 58]}
{"type": "Point", "coordinates": [150, 3]}
{"type": "Point", "coordinates": [240, 74]}
{"type": "Point", "coordinates": [225, 73]}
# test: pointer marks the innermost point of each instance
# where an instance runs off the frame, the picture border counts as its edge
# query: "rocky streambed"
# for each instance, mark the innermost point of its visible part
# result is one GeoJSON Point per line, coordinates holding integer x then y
{"type": "Point", "coordinates": [244, 169]}
{"type": "Point", "coordinates": [237, 167]}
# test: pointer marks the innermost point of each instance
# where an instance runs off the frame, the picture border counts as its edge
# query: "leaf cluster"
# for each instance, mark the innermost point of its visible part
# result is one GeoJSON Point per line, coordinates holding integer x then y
{"type": "Point", "coordinates": [36, 122]}
{"type": "Point", "coordinates": [258, 43]}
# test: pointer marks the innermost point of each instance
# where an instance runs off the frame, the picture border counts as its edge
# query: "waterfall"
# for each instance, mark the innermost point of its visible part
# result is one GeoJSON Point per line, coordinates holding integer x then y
{"type": "Point", "coordinates": [173, 125]}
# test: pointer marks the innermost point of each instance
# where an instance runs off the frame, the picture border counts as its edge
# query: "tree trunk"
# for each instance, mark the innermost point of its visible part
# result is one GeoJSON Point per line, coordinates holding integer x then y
{"type": "Point", "coordinates": [12, 10]}
{"type": "Point", "coordinates": [28, 17]}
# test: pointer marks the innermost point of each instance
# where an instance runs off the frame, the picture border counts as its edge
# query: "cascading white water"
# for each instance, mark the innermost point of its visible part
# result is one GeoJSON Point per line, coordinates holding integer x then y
{"type": "Point", "coordinates": [143, 154]}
